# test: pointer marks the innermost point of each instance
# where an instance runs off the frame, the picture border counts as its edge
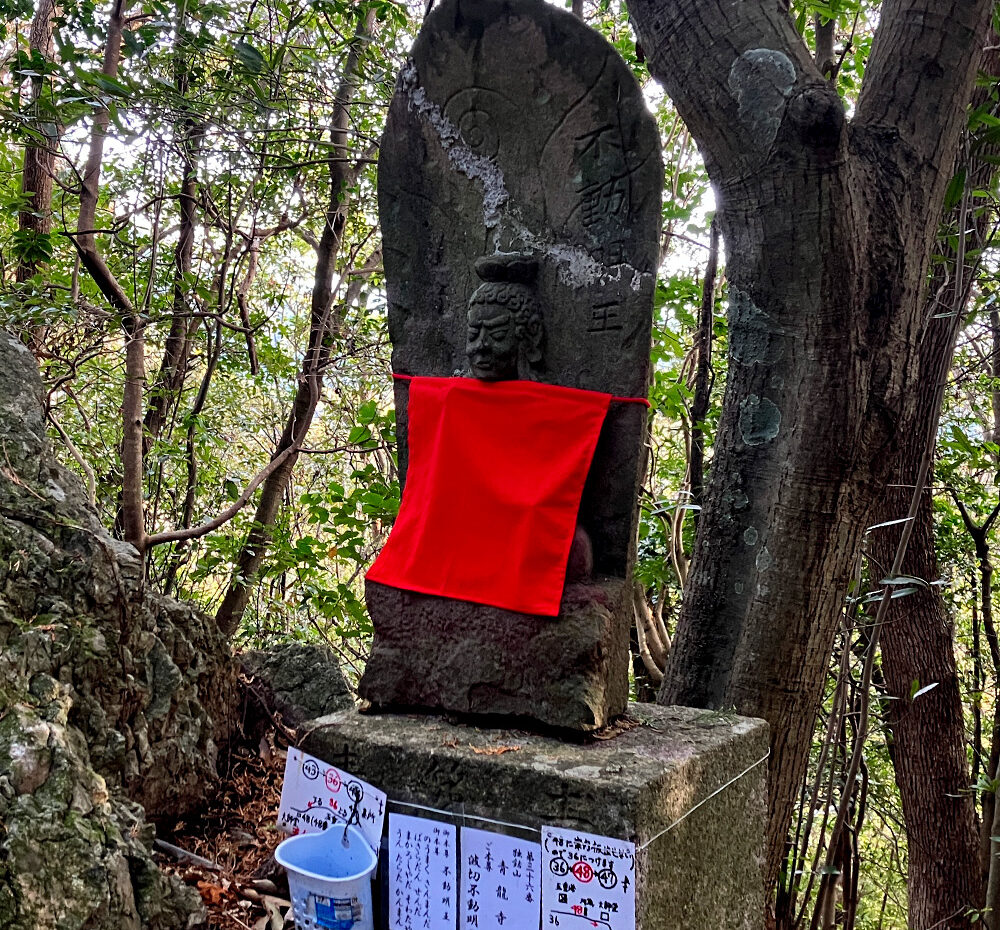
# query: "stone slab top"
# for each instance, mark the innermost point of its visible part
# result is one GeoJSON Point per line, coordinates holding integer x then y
{"type": "Point", "coordinates": [661, 761]}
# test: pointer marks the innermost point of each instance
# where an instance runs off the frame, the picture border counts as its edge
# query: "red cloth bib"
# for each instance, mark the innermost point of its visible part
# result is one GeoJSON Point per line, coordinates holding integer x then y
{"type": "Point", "coordinates": [496, 472]}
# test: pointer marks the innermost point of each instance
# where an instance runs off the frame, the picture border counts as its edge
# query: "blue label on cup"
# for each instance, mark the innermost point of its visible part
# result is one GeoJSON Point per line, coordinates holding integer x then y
{"type": "Point", "coordinates": [336, 913]}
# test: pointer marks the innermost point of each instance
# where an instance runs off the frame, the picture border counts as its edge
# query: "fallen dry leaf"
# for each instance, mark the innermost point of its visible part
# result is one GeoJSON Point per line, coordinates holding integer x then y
{"type": "Point", "coordinates": [493, 750]}
{"type": "Point", "coordinates": [247, 805]}
{"type": "Point", "coordinates": [622, 724]}
{"type": "Point", "coordinates": [213, 895]}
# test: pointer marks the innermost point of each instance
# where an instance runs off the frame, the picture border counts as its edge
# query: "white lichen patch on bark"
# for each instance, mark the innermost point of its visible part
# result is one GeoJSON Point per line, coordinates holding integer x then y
{"type": "Point", "coordinates": [760, 420]}
{"type": "Point", "coordinates": [754, 338]}
{"type": "Point", "coordinates": [761, 80]}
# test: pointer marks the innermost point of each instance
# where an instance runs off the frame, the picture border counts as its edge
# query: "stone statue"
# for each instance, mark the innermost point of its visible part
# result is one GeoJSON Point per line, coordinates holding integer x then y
{"type": "Point", "coordinates": [520, 178]}
{"type": "Point", "coordinates": [506, 340]}
{"type": "Point", "coordinates": [506, 334]}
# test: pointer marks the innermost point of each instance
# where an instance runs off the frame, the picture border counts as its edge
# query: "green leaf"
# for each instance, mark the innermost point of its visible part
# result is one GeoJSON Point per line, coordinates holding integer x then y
{"type": "Point", "coordinates": [367, 412]}
{"type": "Point", "coordinates": [249, 57]}
{"type": "Point", "coordinates": [956, 186]}
{"type": "Point", "coordinates": [905, 580]}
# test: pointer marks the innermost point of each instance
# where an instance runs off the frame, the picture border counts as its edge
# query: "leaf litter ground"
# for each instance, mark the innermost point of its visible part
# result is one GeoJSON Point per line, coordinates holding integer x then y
{"type": "Point", "coordinates": [242, 887]}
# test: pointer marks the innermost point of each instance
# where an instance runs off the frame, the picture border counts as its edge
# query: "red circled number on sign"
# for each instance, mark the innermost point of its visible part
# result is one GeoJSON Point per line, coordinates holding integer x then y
{"type": "Point", "coordinates": [332, 780]}
{"type": "Point", "coordinates": [583, 872]}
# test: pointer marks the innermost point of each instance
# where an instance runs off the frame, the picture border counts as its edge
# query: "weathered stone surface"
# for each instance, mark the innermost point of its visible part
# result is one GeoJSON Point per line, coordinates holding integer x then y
{"type": "Point", "coordinates": [703, 872]}
{"type": "Point", "coordinates": [72, 853]}
{"type": "Point", "coordinates": [300, 681]}
{"type": "Point", "coordinates": [487, 661]}
{"type": "Point", "coordinates": [517, 129]}
{"type": "Point", "coordinates": [106, 692]}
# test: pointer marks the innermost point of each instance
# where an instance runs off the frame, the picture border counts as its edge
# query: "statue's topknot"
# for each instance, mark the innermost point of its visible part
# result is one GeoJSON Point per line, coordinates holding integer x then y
{"type": "Point", "coordinates": [508, 268]}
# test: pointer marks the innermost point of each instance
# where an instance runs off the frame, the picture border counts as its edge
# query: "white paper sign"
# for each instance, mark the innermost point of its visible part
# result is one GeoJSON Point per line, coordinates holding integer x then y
{"type": "Point", "coordinates": [316, 796]}
{"type": "Point", "coordinates": [423, 880]}
{"type": "Point", "coordinates": [501, 881]}
{"type": "Point", "coordinates": [587, 881]}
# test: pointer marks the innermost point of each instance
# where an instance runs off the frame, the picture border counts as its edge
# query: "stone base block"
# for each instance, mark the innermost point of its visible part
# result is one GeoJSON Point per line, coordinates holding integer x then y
{"type": "Point", "coordinates": [569, 671]}
{"type": "Point", "coordinates": [654, 783]}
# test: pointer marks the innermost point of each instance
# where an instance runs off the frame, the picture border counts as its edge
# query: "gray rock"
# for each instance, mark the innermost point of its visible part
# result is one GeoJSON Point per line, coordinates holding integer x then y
{"type": "Point", "coordinates": [687, 786]}
{"type": "Point", "coordinates": [491, 662]}
{"type": "Point", "coordinates": [74, 855]}
{"type": "Point", "coordinates": [109, 695]}
{"type": "Point", "coordinates": [517, 129]}
{"type": "Point", "coordinates": [298, 680]}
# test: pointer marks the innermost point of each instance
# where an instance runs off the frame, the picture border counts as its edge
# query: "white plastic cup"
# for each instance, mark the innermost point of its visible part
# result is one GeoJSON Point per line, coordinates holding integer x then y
{"type": "Point", "coordinates": [329, 883]}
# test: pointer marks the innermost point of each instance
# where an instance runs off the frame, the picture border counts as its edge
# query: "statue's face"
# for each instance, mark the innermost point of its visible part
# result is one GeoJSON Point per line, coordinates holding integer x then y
{"type": "Point", "coordinates": [492, 342]}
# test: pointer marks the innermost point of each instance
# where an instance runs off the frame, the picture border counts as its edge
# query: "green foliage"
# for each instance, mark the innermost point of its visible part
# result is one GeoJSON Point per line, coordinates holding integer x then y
{"type": "Point", "coordinates": [237, 98]}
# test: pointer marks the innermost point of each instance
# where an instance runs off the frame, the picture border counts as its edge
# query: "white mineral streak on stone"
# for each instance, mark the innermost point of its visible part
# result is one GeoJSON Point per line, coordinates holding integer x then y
{"type": "Point", "coordinates": [477, 167]}
{"type": "Point", "coordinates": [577, 268]}
{"type": "Point", "coordinates": [760, 80]}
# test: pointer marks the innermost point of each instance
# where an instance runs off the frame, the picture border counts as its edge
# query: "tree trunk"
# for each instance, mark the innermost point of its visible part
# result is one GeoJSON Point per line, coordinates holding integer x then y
{"type": "Point", "coordinates": [930, 762]}
{"type": "Point", "coordinates": [929, 757]}
{"type": "Point", "coordinates": [39, 156]}
{"type": "Point", "coordinates": [169, 381]}
{"type": "Point", "coordinates": [704, 376]}
{"type": "Point", "coordinates": [133, 511]}
{"type": "Point", "coordinates": [828, 226]}
{"type": "Point", "coordinates": [323, 327]}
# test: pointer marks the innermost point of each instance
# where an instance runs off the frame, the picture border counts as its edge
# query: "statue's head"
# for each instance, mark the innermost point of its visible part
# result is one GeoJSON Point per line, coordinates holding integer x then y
{"type": "Point", "coordinates": [505, 335]}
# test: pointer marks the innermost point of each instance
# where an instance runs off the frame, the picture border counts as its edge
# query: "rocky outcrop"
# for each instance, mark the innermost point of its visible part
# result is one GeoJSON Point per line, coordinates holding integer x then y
{"type": "Point", "coordinates": [109, 695]}
{"type": "Point", "coordinates": [299, 681]}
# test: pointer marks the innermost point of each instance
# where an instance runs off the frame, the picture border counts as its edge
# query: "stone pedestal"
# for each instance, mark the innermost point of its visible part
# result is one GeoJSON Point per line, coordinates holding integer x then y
{"type": "Point", "coordinates": [703, 872]}
{"type": "Point", "coordinates": [569, 672]}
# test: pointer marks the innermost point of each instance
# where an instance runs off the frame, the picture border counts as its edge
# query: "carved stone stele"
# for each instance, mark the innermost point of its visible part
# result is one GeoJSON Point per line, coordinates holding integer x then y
{"type": "Point", "coordinates": [516, 128]}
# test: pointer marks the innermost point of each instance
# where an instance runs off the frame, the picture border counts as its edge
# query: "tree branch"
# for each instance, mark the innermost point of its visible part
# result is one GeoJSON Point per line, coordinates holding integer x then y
{"type": "Point", "coordinates": [920, 73]}
{"type": "Point", "coordinates": [728, 67]}
{"type": "Point", "coordinates": [193, 532]}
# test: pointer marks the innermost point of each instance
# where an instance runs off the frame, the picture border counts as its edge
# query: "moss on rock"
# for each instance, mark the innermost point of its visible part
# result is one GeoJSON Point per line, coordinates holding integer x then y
{"type": "Point", "coordinates": [109, 695]}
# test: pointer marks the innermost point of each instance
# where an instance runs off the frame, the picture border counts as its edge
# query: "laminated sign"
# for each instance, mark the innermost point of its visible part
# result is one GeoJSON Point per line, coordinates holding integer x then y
{"type": "Point", "coordinates": [587, 881]}
{"type": "Point", "coordinates": [317, 795]}
{"type": "Point", "coordinates": [501, 881]}
{"type": "Point", "coordinates": [423, 880]}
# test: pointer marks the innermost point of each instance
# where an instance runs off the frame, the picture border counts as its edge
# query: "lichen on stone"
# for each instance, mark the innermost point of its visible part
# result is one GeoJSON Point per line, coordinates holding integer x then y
{"type": "Point", "coordinates": [109, 695]}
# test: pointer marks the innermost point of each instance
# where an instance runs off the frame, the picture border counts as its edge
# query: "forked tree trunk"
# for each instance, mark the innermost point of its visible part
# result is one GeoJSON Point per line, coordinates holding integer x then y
{"type": "Point", "coordinates": [828, 226]}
